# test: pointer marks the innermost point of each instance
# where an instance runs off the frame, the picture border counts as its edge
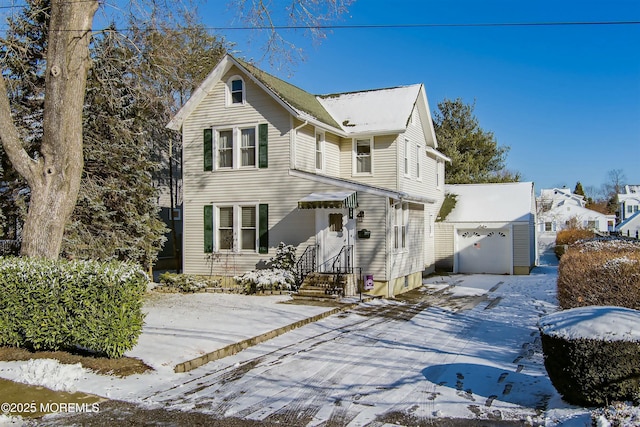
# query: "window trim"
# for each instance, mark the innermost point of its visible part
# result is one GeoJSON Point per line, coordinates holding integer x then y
{"type": "Point", "coordinates": [354, 152]}
{"type": "Point", "coordinates": [406, 163]}
{"type": "Point", "coordinates": [418, 162]}
{"type": "Point", "coordinates": [236, 147]}
{"type": "Point", "coordinates": [255, 147]}
{"type": "Point", "coordinates": [237, 227]}
{"type": "Point", "coordinates": [400, 227]}
{"type": "Point", "coordinates": [322, 151]}
{"type": "Point", "coordinates": [217, 149]}
{"type": "Point", "coordinates": [229, 92]}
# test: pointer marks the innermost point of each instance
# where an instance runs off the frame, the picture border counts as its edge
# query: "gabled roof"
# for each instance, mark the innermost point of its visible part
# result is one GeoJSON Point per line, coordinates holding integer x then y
{"type": "Point", "coordinates": [631, 189]}
{"type": "Point", "coordinates": [624, 224]}
{"type": "Point", "coordinates": [348, 114]}
{"type": "Point", "coordinates": [373, 110]}
{"type": "Point", "coordinates": [502, 202]}
{"type": "Point", "coordinates": [300, 100]}
{"type": "Point", "coordinates": [557, 195]}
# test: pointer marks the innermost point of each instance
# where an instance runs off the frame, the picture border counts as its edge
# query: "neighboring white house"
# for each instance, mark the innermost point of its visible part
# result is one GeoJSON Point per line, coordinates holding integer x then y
{"type": "Point", "coordinates": [559, 208]}
{"type": "Point", "coordinates": [353, 180]}
{"type": "Point", "coordinates": [629, 201]}
{"type": "Point", "coordinates": [630, 227]}
{"type": "Point", "coordinates": [491, 229]}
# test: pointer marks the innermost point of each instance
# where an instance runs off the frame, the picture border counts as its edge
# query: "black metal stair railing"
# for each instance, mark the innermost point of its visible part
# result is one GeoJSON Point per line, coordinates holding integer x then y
{"type": "Point", "coordinates": [306, 263]}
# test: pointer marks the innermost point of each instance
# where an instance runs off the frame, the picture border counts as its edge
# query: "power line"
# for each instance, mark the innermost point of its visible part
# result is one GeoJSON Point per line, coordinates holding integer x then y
{"type": "Point", "coordinates": [409, 26]}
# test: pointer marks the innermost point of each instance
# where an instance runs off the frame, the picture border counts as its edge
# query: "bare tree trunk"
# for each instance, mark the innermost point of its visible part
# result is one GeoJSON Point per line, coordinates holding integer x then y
{"type": "Point", "coordinates": [54, 176]}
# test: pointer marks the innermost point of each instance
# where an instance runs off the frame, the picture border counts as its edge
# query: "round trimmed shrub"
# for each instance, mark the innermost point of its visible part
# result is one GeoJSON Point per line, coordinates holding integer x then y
{"type": "Point", "coordinates": [592, 354]}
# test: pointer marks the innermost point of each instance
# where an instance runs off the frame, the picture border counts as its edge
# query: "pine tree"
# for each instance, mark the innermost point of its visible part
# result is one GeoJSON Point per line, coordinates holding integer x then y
{"type": "Point", "coordinates": [116, 215]}
{"type": "Point", "coordinates": [22, 57]}
{"type": "Point", "coordinates": [475, 154]}
{"type": "Point", "coordinates": [578, 190]}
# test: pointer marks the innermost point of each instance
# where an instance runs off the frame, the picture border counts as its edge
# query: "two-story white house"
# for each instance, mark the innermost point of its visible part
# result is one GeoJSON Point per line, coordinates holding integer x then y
{"type": "Point", "coordinates": [629, 201]}
{"type": "Point", "coordinates": [353, 180]}
{"type": "Point", "coordinates": [559, 208]}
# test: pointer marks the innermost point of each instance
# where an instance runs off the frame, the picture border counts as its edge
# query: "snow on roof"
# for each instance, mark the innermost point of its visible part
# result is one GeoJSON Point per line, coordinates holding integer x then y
{"type": "Point", "coordinates": [631, 189]}
{"type": "Point", "coordinates": [491, 202]}
{"type": "Point", "coordinates": [596, 322]}
{"type": "Point", "coordinates": [373, 110]}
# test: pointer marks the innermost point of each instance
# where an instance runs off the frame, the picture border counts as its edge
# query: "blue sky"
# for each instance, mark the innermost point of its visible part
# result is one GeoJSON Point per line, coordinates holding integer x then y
{"type": "Point", "coordinates": [566, 99]}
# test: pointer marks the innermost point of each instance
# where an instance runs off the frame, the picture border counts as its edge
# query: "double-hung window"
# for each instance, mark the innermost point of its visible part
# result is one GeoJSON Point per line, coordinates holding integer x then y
{"type": "Point", "coordinates": [406, 157]}
{"type": "Point", "coordinates": [363, 148]}
{"type": "Point", "coordinates": [248, 146]}
{"type": "Point", "coordinates": [237, 227]}
{"type": "Point", "coordinates": [225, 149]}
{"type": "Point", "coordinates": [248, 228]}
{"type": "Point", "coordinates": [236, 148]}
{"type": "Point", "coordinates": [400, 226]}
{"type": "Point", "coordinates": [418, 165]}
{"type": "Point", "coordinates": [319, 151]}
{"type": "Point", "coordinates": [225, 228]}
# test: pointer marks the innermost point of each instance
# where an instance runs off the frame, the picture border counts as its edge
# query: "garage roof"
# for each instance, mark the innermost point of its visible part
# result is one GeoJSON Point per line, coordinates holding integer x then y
{"type": "Point", "coordinates": [504, 202]}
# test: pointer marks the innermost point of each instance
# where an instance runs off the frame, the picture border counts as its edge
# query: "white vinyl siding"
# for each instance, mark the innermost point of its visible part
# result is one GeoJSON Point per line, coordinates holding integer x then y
{"type": "Point", "coordinates": [444, 246]}
{"type": "Point", "coordinates": [238, 186]}
{"type": "Point", "coordinates": [411, 258]}
{"type": "Point", "coordinates": [385, 162]}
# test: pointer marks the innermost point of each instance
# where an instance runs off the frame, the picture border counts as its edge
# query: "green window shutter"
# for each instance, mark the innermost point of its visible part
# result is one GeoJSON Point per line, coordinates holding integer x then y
{"type": "Point", "coordinates": [208, 149]}
{"type": "Point", "coordinates": [208, 228]}
{"type": "Point", "coordinates": [263, 138]}
{"type": "Point", "coordinates": [263, 228]}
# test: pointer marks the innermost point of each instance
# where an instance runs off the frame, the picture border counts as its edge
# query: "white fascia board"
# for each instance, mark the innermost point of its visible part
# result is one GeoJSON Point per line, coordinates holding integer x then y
{"type": "Point", "coordinates": [427, 125]}
{"type": "Point", "coordinates": [438, 154]}
{"type": "Point", "coordinates": [198, 95]}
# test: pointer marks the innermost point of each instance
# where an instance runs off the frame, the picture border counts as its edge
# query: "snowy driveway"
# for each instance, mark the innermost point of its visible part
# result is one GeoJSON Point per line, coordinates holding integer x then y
{"type": "Point", "coordinates": [466, 347]}
{"type": "Point", "coordinates": [461, 347]}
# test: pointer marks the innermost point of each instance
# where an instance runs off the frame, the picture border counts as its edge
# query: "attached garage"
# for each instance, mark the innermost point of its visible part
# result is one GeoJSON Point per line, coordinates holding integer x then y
{"type": "Point", "coordinates": [491, 229]}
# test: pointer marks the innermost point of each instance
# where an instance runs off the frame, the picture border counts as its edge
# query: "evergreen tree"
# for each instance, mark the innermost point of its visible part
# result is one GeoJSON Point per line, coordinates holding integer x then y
{"type": "Point", "coordinates": [116, 215]}
{"type": "Point", "coordinates": [475, 154]}
{"type": "Point", "coordinates": [578, 190]}
{"type": "Point", "coordinates": [22, 58]}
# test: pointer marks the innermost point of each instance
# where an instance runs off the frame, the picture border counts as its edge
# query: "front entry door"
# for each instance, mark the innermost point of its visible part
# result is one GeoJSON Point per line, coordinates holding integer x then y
{"type": "Point", "coordinates": [334, 231]}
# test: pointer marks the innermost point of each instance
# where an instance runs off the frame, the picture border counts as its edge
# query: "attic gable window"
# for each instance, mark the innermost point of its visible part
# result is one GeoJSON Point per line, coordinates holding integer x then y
{"type": "Point", "coordinates": [236, 93]}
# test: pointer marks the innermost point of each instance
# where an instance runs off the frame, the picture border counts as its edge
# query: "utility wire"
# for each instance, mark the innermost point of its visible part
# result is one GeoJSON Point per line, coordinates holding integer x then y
{"type": "Point", "coordinates": [408, 26]}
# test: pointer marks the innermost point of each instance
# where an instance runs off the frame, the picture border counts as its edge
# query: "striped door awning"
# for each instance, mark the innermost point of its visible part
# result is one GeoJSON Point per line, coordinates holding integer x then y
{"type": "Point", "coordinates": [334, 199]}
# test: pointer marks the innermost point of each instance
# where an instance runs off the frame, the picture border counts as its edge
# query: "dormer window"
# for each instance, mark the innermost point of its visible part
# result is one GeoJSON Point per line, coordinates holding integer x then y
{"type": "Point", "coordinates": [236, 91]}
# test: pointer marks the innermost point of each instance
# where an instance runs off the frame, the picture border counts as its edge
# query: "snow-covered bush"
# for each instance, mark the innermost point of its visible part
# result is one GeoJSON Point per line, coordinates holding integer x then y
{"type": "Point", "coordinates": [285, 258]}
{"type": "Point", "coordinates": [58, 304]}
{"type": "Point", "coordinates": [591, 354]}
{"type": "Point", "coordinates": [618, 414]}
{"type": "Point", "coordinates": [600, 272]}
{"type": "Point", "coordinates": [187, 282]}
{"type": "Point", "coordinates": [266, 280]}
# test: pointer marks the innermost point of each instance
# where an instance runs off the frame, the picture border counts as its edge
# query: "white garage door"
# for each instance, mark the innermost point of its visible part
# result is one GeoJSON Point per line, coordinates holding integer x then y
{"type": "Point", "coordinates": [484, 251]}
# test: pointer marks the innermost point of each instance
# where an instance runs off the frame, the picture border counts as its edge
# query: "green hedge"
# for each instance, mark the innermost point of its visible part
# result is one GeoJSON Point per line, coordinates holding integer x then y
{"type": "Point", "coordinates": [591, 372]}
{"type": "Point", "coordinates": [88, 305]}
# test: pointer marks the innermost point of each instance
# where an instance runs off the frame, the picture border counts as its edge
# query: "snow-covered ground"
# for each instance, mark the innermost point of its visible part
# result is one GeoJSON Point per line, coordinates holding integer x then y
{"type": "Point", "coordinates": [481, 359]}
